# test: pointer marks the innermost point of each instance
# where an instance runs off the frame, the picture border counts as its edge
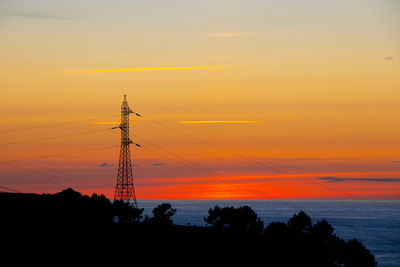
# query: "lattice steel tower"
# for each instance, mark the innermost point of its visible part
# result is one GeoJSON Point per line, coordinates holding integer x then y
{"type": "Point", "coordinates": [125, 190]}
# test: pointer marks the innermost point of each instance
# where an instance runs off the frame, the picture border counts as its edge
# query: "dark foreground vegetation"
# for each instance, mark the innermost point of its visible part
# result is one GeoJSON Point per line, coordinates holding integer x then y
{"type": "Point", "coordinates": [68, 225]}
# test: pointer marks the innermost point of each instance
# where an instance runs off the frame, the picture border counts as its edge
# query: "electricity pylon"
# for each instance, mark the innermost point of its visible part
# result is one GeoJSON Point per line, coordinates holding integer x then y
{"type": "Point", "coordinates": [125, 190]}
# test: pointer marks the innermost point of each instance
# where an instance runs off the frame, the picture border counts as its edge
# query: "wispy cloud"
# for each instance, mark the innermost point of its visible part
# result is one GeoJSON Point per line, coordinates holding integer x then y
{"type": "Point", "coordinates": [205, 122]}
{"type": "Point", "coordinates": [381, 180]}
{"type": "Point", "coordinates": [104, 122]}
{"type": "Point", "coordinates": [143, 69]}
{"type": "Point", "coordinates": [226, 34]}
{"type": "Point", "coordinates": [31, 15]}
{"type": "Point", "coordinates": [389, 58]}
{"type": "Point", "coordinates": [105, 165]}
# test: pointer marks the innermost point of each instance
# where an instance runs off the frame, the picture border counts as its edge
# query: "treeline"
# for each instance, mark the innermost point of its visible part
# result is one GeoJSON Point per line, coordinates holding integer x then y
{"type": "Point", "coordinates": [232, 235]}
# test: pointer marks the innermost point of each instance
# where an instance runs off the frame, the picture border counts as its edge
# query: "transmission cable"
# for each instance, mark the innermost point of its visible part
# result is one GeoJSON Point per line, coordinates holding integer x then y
{"type": "Point", "coordinates": [190, 164]}
{"type": "Point", "coordinates": [194, 166]}
{"type": "Point", "coordinates": [56, 124]}
{"type": "Point", "coordinates": [60, 154]}
{"type": "Point", "coordinates": [53, 137]}
{"type": "Point", "coordinates": [254, 161]}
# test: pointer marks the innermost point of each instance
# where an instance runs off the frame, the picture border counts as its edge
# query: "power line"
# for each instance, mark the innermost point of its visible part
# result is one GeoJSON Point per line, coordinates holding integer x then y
{"type": "Point", "coordinates": [56, 124]}
{"type": "Point", "coordinates": [52, 137]}
{"type": "Point", "coordinates": [254, 161]}
{"type": "Point", "coordinates": [47, 173]}
{"type": "Point", "coordinates": [192, 165]}
{"type": "Point", "coordinates": [59, 154]}
{"type": "Point", "coordinates": [8, 189]}
{"type": "Point", "coordinates": [217, 147]}
{"type": "Point", "coordinates": [288, 149]}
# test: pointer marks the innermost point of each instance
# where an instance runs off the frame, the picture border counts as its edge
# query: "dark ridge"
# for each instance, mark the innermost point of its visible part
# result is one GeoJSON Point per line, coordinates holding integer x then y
{"type": "Point", "coordinates": [69, 225]}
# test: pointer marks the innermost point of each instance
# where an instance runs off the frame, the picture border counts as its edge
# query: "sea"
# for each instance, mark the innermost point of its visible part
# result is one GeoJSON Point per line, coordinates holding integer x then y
{"type": "Point", "coordinates": [375, 223]}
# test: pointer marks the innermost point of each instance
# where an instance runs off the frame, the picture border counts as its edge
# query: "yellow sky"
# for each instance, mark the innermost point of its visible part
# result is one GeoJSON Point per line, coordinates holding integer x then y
{"type": "Point", "coordinates": [316, 79]}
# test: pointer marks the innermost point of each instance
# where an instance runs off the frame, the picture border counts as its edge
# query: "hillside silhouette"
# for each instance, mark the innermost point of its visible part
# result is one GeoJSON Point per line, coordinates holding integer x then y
{"type": "Point", "coordinates": [69, 224]}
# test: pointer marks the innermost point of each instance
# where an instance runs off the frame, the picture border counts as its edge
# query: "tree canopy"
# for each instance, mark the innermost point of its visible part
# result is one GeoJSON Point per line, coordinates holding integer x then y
{"type": "Point", "coordinates": [232, 233]}
{"type": "Point", "coordinates": [237, 219]}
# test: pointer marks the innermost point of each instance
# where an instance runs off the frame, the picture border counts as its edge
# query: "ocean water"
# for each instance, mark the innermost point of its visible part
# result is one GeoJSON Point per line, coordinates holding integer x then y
{"type": "Point", "coordinates": [375, 223]}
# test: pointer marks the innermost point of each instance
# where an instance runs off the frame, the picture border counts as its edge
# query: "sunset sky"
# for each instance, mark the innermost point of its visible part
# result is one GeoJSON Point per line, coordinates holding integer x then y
{"type": "Point", "coordinates": [239, 98]}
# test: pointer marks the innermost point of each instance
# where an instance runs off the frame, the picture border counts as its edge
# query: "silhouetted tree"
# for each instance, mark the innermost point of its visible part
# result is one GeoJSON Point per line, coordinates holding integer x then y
{"type": "Point", "coordinates": [101, 208]}
{"type": "Point", "coordinates": [101, 198]}
{"type": "Point", "coordinates": [300, 223]}
{"type": "Point", "coordinates": [277, 232]}
{"type": "Point", "coordinates": [323, 231]}
{"type": "Point", "coordinates": [125, 212]}
{"type": "Point", "coordinates": [356, 255]}
{"type": "Point", "coordinates": [162, 214]}
{"type": "Point", "coordinates": [74, 217]}
{"type": "Point", "coordinates": [237, 219]}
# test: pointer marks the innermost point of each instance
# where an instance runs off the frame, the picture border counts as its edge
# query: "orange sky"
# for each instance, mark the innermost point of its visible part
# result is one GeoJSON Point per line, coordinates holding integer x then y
{"type": "Point", "coordinates": [301, 91]}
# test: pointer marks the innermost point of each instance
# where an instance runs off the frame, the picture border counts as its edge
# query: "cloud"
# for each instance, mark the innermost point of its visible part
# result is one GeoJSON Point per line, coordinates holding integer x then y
{"type": "Point", "coordinates": [396, 161]}
{"type": "Point", "coordinates": [31, 15]}
{"type": "Point", "coordinates": [389, 58]}
{"type": "Point", "coordinates": [105, 164]}
{"type": "Point", "coordinates": [157, 164]}
{"type": "Point", "coordinates": [304, 159]}
{"type": "Point", "coordinates": [143, 69]}
{"type": "Point", "coordinates": [204, 122]}
{"type": "Point", "coordinates": [381, 180]}
{"type": "Point", "coordinates": [225, 34]}
{"type": "Point", "coordinates": [104, 122]}
{"type": "Point", "coordinates": [307, 159]}
{"type": "Point", "coordinates": [287, 118]}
